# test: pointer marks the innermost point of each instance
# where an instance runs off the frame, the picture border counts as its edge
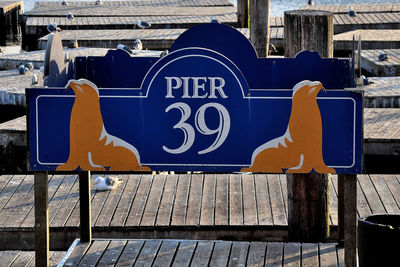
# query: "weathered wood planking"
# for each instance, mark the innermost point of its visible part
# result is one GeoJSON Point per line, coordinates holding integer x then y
{"type": "Point", "coordinates": [205, 253]}
{"type": "Point", "coordinates": [371, 39]}
{"type": "Point", "coordinates": [388, 68]}
{"type": "Point", "coordinates": [359, 8]}
{"type": "Point", "coordinates": [17, 258]}
{"type": "Point", "coordinates": [385, 20]}
{"type": "Point", "coordinates": [163, 195]}
{"type": "Point", "coordinates": [157, 39]}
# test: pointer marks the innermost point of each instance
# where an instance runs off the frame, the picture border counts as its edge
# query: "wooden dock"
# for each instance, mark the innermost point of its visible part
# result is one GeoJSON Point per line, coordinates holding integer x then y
{"type": "Point", "coordinates": [359, 8]}
{"type": "Point", "coordinates": [388, 68]}
{"type": "Point", "coordinates": [18, 258]}
{"type": "Point", "coordinates": [371, 39]}
{"type": "Point", "coordinates": [180, 206]}
{"type": "Point", "coordinates": [137, 252]}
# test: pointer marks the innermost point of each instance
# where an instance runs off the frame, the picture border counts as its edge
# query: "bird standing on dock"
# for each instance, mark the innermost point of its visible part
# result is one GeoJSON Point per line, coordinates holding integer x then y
{"type": "Point", "coordinates": [99, 2]}
{"type": "Point", "coordinates": [22, 69]}
{"type": "Point", "coordinates": [29, 65]}
{"type": "Point", "coordinates": [64, 3]}
{"type": "Point", "coordinates": [213, 20]}
{"type": "Point", "coordinates": [143, 24]}
{"type": "Point", "coordinates": [164, 53]}
{"type": "Point", "coordinates": [70, 16]}
{"type": "Point", "coordinates": [311, 2]}
{"type": "Point", "coordinates": [383, 56]}
{"type": "Point", "coordinates": [53, 27]}
{"type": "Point", "coordinates": [137, 45]}
{"type": "Point", "coordinates": [125, 48]}
{"type": "Point", "coordinates": [106, 183]}
{"type": "Point", "coordinates": [351, 12]}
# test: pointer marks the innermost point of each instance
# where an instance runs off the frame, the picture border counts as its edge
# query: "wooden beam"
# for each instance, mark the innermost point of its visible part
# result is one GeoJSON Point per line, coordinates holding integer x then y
{"type": "Point", "coordinates": [350, 219]}
{"type": "Point", "coordinates": [41, 219]}
{"type": "Point", "coordinates": [85, 209]}
{"type": "Point", "coordinates": [340, 193]}
{"type": "Point", "coordinates": [259, 26]}
{"type": "Point", "coordinates": [243, 13]}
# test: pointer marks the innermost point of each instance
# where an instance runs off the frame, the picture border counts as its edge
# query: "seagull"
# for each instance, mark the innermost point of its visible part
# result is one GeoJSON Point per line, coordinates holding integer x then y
{"type": "Point", "coordinates": [70, 16]}
{"type": "Point", "coordinates": [311, 2]}
{"type": "Point", "coordinates": [64, 3]}
{"type": "Point", "coordinates": [99, 2]}
{"type": "Point", "coordinates": [35, 79]}
{"type": "Point", "coordinates": [106, 183]}
{"type": "Point", "coordinates": [143, 24]}
{"type": "Point", "coordinates": [73, 43]}
{"type": "Point", "coordinates": [137, 45]}
{"type": "Point", "coordinates": [213, 20]}
{"type": "Point", "coordinates": [351, 12]}
{"type": "Point", "coordinates": [272, 48]}
{"type": "Point", "coordinates": [365, 80]}
{"type": "Point", "coordinates": [164, 53]}
{"type": "Point", "coordinates": [29, 65]}
{"type": "Point", "coordinates": [125, 47]}
{"type": "Point", "coordinates": [53, 27]}
{"type": "Point", "coordinates": [22, 69]}
{"type": "Point", "coordinates": [383, 56]}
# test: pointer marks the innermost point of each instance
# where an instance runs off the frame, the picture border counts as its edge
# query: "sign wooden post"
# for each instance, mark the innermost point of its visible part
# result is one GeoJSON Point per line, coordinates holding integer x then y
{"type": "Point", "coordinates": [350, 219]}
{"type": "Point", "coordinates": [85, 207]}
{"type": "Point", "coordinates": [41, 219]}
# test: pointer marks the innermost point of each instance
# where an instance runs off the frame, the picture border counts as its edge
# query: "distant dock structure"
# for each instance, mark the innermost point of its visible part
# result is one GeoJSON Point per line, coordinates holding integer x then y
{"type": "Point", "coordinates": [10, 30]}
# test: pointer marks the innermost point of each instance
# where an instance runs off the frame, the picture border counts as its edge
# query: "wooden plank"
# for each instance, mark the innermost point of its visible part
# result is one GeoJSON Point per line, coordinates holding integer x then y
{"type": "Point", "coordinates": [327, 255]}
{"type": "Point", "coordinates": [24, 259]}
{"type": "Point", "coordinates": [130, 253]}
{"type": "Point", "coordinates": [111, 204]}
{"type": "Point", "coordinates": [333, 201]}
{"type": "Point", "coordinates": [238, 255]}
{"type": "Point", "coordinates": [68, 206]}
{"type": "Point", "coordinates": [384, 194]}
{"type": "Point", "coordinates": [166, 253]}
{"type": "Point", "coordinates": [93, 254]}
{"type": "Point", "coordinates": [85, 207]}
{"type": "Point", "coordinates": [4, 180]}
{"type": "Point", "coordinates": [222, 200]}
{"type": "Point", "coordinates": [167, 201]}
{"type": "Point", "coordinates": [208, 201]}
{"type": "Point", "coordinates": [126, 200]}
{"type": "Point", "coordinates": [59, 197]}
{"type": "Point", "coordinates": [350, 219]}
{"type": "Point", "coordinates": [202, 253]}
{"type": "Point", "coordinates": [283, 183]}
{"type": "Point", "coordinates": [340, 256]}
{"type": "Point", "coordinates": [111, 255]}
{"type": "Point", "coordinates": [371, 195]}
{"type": "Point", "coordinates": [277, 204]}
{"type": "Point", "coordinates": [195, 200]}
{"type": "Point", "coordinates": [363, 208]}
{"type": "Point", "coordinates": [235, 200]}
{"type": "Point", "coordinates": [9, 190]}
{"type": "Point", "coordinates": [56, 257]}
{"type": "Point", "coordinates": [394, 187]}
{"type": "Point", "coordinates": [41, 219]}
{"type": "Point", "coordinates": [263, 200]}
{"type": "Point", "coordinates": [309, 254]}
{"type": "Point", "coordinates": [220, 254]}
{"type": "Point", "coordinates": [180, 204]}
{"type": "Point", "coordinates": [249, 201]}
{"type": "Point", "coordinates": [9, 256]}
{"type": "Point", "coordinates": [139, 203]}
{"type": "Point", "coordinates": [98, 201]}
{"type": "Point", "coordinates": [257, 253]}
{"type": "Point", "coordinates": [274, 256]}
{"type": "Point", "coordinates": [148, 253]}
{"type": "Point", "coordinates": [292, 254]}
{"type": "Point", "coordinates": [153, 201]}
{"type": "Point", "coordinates": [184, 254]}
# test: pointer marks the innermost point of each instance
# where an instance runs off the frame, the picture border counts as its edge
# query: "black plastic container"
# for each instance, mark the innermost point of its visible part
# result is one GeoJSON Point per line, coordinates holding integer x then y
{"type": "Point", "coordinates": [379, 240]}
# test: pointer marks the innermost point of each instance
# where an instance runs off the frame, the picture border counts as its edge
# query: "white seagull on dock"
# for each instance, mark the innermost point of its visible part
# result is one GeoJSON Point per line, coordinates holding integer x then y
{"type": "Point", "coordinates": [106, 183]}
{"type": "Point", "coordinates": [143, 24]}
{"type": "Point", "coordinates": [53, 27]}
{"type": "Point", "coordinates": [70, 16]}
{"type": "Point", "coordinates": [137, 46]}
{"type": "Point", "coordinates": [383, 56]}
{"type": "Point", "coordinates": [311, 2]}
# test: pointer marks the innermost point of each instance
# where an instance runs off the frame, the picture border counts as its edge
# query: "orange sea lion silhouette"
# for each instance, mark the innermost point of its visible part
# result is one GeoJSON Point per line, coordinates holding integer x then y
{"type": "Point", "coordinates": [91, 147]}
{"type": "Point", "coordinates": [300, 148]}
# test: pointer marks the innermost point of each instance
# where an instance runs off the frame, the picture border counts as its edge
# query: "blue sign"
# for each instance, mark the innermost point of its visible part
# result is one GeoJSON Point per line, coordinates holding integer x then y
{"type": "Point", "coordinates": [209, 105]}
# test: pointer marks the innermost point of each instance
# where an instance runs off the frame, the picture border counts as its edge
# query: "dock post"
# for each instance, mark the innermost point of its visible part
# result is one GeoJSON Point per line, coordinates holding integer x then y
{"type": "Point", "coordinates": [85, 209]}
{"type": "Point", "coordinates": [308, 194]}
{"type": "Point", "coordinates": [259, 26]}
{"type": "Point", "coordinates": [243, 13]}
{"type": "Point", "coordinates": [41, 219]}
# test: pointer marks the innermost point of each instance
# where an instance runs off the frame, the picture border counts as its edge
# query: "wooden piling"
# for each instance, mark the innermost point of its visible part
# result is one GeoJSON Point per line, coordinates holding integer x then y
{"type": "Point", "coordinates": [85, 210]}
{"type": "Point", "coordinates": [308, 194]}
{"type": "Point", "coordinates": [10, 30]}
{"type": "Point", "coordinates": [259, 26]}
{"type": "Point", "coordinates": [243, 13]}
{"type": "Point", "coordinates": [41, 219]}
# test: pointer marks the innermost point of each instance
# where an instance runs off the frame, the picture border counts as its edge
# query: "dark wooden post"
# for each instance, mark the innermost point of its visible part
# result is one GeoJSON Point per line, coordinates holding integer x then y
{"type": "Point", "coordinates": [347, 215]}
{"type": "Point", "coordinates": [41, 219]}
{"type": "Point", "coordinates": [259, 26]}
{"type": "Point", "coordinates": [308, 30]}
{"type": "Point", "coordinates": [308, 194]}
{"type": "Point", "coordinates": [243, 13]}
{"type": "Point", "coordinates": [85, 210]}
